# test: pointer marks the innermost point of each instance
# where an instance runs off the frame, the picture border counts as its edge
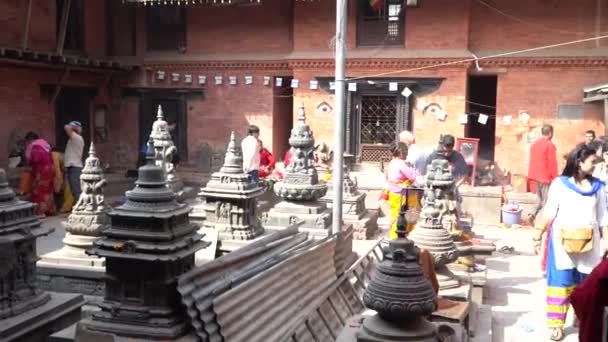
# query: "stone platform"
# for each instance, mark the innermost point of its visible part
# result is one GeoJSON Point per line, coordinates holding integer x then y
{"type": "Point", "coordinates": [69, 278]}
{"type": "Point", "coordinates": [314, 215]}
{"type": "Point", "coordinates": [37, 324]}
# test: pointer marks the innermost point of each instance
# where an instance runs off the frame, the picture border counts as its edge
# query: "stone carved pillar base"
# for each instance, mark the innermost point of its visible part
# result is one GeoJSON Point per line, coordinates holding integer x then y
{"type": "Point", "coordinates": [315, 216]}
{"type": "Point", "coordinates": [375, 329]}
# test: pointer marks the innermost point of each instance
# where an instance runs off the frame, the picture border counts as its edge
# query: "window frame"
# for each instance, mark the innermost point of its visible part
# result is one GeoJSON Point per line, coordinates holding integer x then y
{"type": "Point", "coordinates": [363, 40]}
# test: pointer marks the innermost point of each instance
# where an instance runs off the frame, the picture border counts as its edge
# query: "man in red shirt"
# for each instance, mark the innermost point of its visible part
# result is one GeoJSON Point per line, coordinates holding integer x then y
{"type": "Point", "coordinates": [543, 165]}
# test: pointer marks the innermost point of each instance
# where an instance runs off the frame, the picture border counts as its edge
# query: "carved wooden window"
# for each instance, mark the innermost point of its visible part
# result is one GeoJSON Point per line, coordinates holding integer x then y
{"type": "Point", "coordinates": [380, 22]}
{"type": "Point", "coordinates": [166, 28]}
{"type": "Point", "coordinates": [74, 33]}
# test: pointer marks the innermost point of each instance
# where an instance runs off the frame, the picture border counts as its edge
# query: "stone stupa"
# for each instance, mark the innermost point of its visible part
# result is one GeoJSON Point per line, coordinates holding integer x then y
{"type": "Point", "coordinates": [70, 269]}
{"type": "Point", "coordinates": [165, 150]}
{"type": "Point", "coordinates": [300, 188]}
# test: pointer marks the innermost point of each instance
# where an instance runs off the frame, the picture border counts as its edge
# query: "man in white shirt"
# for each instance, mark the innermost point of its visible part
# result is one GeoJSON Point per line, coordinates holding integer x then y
{"type": "Point", "coordinates": [251, 153]}
{"type": "Point", "coordinates": [416, 156]}
{"type": "Point", "coordinates": [73, 156]}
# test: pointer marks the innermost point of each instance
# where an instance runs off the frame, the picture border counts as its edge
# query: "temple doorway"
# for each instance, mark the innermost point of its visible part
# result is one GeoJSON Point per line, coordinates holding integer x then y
{"type": "Point", "coordinates": [481, 102]}
{"type": "Point", "coordinates": [282, 119]}
{"type": "Point", "coordinates": [73, 104]}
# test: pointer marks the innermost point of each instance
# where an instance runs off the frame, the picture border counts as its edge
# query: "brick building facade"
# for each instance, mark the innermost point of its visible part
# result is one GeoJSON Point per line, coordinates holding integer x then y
{"type": "Point", "coordinates": [134, 45]}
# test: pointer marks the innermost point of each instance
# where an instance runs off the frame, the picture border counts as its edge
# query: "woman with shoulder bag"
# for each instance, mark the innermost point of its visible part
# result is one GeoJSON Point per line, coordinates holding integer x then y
{"type": "Point", "coordinates": [576, 215]}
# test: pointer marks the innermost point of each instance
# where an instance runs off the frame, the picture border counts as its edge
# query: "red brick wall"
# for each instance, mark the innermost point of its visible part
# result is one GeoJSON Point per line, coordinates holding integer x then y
{"type": "Point", "coordinates": [546, 22]}
{"type": "Point", "coordinates": [42, 25]}
{"type": "Point", "coordinates": [538, 91]}
{"type": "Point", "coordinates": [239, 29]}
{"type": "Point", "coordinates": [95, 28]}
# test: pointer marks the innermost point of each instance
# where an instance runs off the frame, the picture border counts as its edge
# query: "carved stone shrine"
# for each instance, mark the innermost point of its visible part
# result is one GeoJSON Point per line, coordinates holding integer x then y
{"type": "Point", "coordinates": [365, 223]}
{"type": "Point", "coordinates": [26, 312]}
{"type": "Point", "coordinates": [430, 234]}
{"type": "Point", "coordinates": [400, 294]}
{"type": "Point", "coordinates": [70, 269]}
{"type": "Point", "coordinates": [300, 187]}
{"type": "Point", "coordinates": [440, 179]}
{"type": "Point", "coordinates": [148, 245]}
{"type": "Point", "coordinates": [231, 199]}
{"type": "Point", "coordinates": [165, 151]}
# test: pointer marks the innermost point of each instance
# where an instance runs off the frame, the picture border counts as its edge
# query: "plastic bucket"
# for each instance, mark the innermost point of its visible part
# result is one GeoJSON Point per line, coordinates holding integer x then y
{"type": "Point", "coordinates": [511, 217]}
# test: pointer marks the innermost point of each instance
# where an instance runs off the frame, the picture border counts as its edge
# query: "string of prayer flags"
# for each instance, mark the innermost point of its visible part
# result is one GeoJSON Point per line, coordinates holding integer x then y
{"type": "Point", "coordinates": [314, 84]}
{"type": "Point", "coordinates": [406, 92]}
{"type": "Point", "coordinates": [352, 86]}
{"type": "Point", "coordinates": [463, 119]}
{"type": "Point", "coordinates": [248, 80]}
{"type": "Point", "coordinates": [295, 83]}
{"type": "Point", "coordinates": [266, 81]}
{"type": "Point", "coordinates": [218, 80]}
{"type": "Point", "coordinates": [332, 85]}
{"type": "Point", "coordinates": [232, 80]}
{"type": "Point", "coordinates": [482, 119]}
{"type": "Point", "coordinates": [393, 86]}
{"type": "Point", "coordinates": [278, 81]}
{"type": "Point", "coordinates": [202, 79]}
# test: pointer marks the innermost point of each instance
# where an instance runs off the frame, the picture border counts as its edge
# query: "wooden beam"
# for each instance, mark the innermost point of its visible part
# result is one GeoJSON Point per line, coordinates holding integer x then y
{"type": "Point", "coordinates": [63, 26]}
{"type": "Point", "coordinates": [66, 72]}
{"type": "Point", "coordinates": [26, 25]}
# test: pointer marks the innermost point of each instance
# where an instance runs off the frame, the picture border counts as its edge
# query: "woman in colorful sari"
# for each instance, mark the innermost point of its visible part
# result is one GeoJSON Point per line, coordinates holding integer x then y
{"type": "Point", "coordinates": [399, 176]}
{"type": "Point", "coordinates": [576, 215]}
{"type": "Point", "coordinates": [39, 158]}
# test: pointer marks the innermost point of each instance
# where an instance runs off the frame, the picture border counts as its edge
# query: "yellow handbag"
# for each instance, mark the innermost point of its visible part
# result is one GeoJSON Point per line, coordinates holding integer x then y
{"type": "Point", "coordinates": [576, 241]}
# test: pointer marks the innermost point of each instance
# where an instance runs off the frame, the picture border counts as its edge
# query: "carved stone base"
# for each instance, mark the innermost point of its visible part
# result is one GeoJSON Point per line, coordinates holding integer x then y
{"type": "Point", "coordinates": [82, 334]}
{"type": "Point", "coordinates": [366, 227]}
{"type": "Point", "coordinates": [446, 279]}
{"type": "Point", "coordinates": [198, 214]}
{"type": "Point", "coordinates": [375, 329]}
{"type": "Point", "coordinates": [315, 216]}
{"type": "Point", "coordinates": [71, 270]}
{"type": "Point", "coordinates": [353, 207]}
{"type": "Point", "coordinates": [60, 311]}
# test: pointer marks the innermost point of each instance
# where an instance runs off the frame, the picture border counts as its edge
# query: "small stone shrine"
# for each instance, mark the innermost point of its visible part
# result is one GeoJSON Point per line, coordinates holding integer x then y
{"type": "Point", "coordinates": [148, 245]}
{"type": "Point", "coordinates": [26, 312]}
{"type": "Point", "coordinates": [430, 234]}
{"type": "Point", "coordinates": [365, 223]}
{"type": "Point", "coordinates": [165, 150]}
{"type": "Point", "coordinates": [440, 179]}
{"type": "Point", "coordinates": [300, 188]}
{"type": "Point", "coordinates": [70, 269]}
{"type": "Point", "coordinates": [231, 200]}
{"type": "Point", "coordinates": [400, 294]}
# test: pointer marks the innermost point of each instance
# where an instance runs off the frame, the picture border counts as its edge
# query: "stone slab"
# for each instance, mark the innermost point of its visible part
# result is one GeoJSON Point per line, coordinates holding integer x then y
{"type": "Point", "coordinates": [462, 272]}
{"type": "Point", "coordinates": [461, 293]}
{"type": "Point", "coordinates": [207, 254]}
{"type": "Point", "coordinates": [60, 312]}
{"type": "Point", "coordinates": [484, 206]}
{"type": "Point", "coordinates": [69, 335]}
{"type": "Point", "coordinates": [65, 279]}
{"type": "Point", "coordinates": [284, 213]}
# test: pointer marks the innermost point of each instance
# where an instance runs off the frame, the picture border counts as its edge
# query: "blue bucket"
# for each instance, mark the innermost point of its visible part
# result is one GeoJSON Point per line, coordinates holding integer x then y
{"type": "Point", "coordinates": [511, 217]}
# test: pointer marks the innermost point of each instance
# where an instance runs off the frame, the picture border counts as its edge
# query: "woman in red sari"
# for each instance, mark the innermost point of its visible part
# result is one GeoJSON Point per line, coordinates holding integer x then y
{"type": "Point", "coordinates": [39, 158]}
{"type": "Point", "coordinates": [267, 161]}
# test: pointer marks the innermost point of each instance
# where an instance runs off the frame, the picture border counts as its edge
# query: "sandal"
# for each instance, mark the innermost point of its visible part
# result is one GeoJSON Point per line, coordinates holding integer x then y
{"type": "Point", "coordinates": [557, 334]}
{"type": "Point", "coordinates": [507, 250]}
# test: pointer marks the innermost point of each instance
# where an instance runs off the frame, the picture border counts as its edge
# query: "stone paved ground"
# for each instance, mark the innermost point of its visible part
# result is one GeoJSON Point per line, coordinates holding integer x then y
{"type": "Point", "coordinates": [516, 290]}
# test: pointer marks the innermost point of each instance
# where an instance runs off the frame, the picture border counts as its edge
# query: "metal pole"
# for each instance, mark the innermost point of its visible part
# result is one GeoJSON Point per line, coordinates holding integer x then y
{"type": "Point", "coordinates": [339, 118]}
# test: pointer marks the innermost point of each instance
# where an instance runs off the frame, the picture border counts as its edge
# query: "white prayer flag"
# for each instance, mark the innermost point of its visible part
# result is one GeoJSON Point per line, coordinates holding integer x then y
{"type": "Point", "coordinates": [464, 119]}
{"type": "Point", "coordinates": [266, 81]}
{"type": "Point", "coordinates": [314, 84]}
{"type": "Point", "coordinates": [175, 77]}
{"type": "Point", "coordinates": [441, 115]}
{"type": "Point", "coordinates": [160, 75]}
{"type": "Point", "coordinates": [406, 92]}
{"type": "Point", "coordinates": [278, 81]}
{"type": "Point", "coordinates": [332, 85]}
{"type": "Point", "coordinates": [352, 86]}
{"type": "Point", "coordinates": [232, 80]}
{"type": "Point", "coordinates": [295, 83]}
{"type": "Point", "coordinates": [507, 120]}
{"type": "Point", "coordinates": [483, 119]}
{"type": "Point", "coordinates": [202, 79]}
{"type": "Point", "coordinates": [248, 79]}
{"type": "Point", "coordinates": [393, 86]}
{"type": "Point", "coordinates": [188, 78]}
{"type": "Point", "coordinates": [218, 80]}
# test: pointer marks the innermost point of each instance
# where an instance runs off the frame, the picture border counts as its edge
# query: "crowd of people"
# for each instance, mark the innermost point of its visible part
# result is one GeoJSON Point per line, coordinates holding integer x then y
{"type": "Point", "coordinates": [572, 216]}
{"type": "Point", "coordinates": [51, 178]}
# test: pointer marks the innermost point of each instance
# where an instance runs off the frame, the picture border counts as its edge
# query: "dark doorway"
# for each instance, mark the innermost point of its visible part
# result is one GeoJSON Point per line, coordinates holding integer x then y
{"type": "Point", "coordinates": [482, 101]}
{"type": "Point", "coordinates": [73, 104]}
{"type": "Point", "coordinates": [174, 111]}
{"type": "Point", "coordinates": [282, 118]}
